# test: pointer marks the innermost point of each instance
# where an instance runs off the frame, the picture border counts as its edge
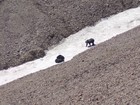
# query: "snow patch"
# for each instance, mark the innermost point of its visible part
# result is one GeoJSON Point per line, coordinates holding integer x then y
{"type": "Point", "coordinates": [75, 44]}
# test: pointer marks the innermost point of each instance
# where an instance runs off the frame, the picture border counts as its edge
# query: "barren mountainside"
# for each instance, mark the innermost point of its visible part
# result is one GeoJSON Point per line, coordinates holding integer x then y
{"type": "Point", "coordinates": [107, 74]}
{"type": "Point", "coordinates": [28, 27]}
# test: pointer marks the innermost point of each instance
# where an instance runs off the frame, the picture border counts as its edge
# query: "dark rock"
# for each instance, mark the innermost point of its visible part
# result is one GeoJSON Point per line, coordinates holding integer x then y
{"type": "Point", "coordinates": [32, 55]}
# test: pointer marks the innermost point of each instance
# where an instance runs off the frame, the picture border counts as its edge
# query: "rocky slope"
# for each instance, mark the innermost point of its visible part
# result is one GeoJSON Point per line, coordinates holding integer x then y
{"type": "Point", "coordinates": [107, 74]}
{"type": "Point", "coordinates": [28, 27]}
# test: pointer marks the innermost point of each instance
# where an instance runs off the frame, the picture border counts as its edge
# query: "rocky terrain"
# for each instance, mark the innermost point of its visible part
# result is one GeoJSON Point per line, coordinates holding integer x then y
{"type": "Point", "coordinates": [107, 74]}
{"type": "Point", "coordinates": [28, 27]}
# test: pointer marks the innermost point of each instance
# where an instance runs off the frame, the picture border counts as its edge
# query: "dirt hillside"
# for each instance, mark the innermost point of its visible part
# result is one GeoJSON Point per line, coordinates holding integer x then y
{"type": "Point", "coordinates": [107, 74]}
{"type": "Point", "coordinates": [28, 27]}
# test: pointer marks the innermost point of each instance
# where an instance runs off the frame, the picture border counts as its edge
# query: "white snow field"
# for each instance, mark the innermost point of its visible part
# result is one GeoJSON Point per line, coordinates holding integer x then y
{"type": "Point", "coordinates": [74, 44]}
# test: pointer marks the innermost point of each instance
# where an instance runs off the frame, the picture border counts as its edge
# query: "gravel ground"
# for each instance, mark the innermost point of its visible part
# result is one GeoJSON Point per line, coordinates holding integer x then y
{"type": "Point", "coordinates": [107, 74]}
{"type": "Point", "coordinates": [28, 27]}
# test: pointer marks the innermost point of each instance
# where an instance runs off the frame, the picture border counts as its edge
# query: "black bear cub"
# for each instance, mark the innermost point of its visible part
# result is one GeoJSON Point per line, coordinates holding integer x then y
{"type": "Point", "coordinates": [59, 59]}
{"type": "Point", "coordinates": [90, 42]}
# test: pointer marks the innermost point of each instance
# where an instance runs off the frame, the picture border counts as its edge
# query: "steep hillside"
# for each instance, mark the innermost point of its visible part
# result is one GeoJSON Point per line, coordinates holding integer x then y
{"type": "Point", "coordinates": [27, 27]}
{"type": "Point", "coordinates": [108, 74]}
